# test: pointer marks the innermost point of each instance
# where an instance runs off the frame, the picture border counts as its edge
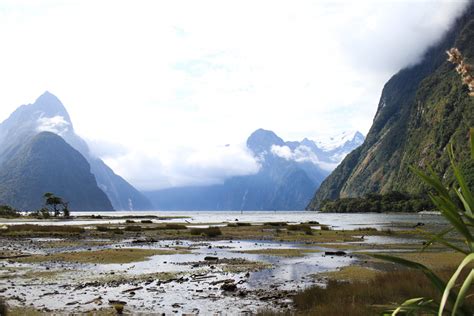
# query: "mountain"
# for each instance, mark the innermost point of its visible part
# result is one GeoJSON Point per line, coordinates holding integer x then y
{"type": "Point", "coordinates": [421, 110]}
{"type": "Point", "coordinates": [288, 175]}
{"type": "Point", "coordinates": [46, 163]}
{"type": "Point", "coordinates": [47, 113]}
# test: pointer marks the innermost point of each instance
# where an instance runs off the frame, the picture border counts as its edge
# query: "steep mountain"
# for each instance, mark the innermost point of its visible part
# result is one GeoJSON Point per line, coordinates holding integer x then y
{"type": "Point", "coordinates": [46, 163]}
{"type": "Point", "coordinates": [288, 176]}
{"type": "Point", "coordinates": [47, 113]}
{"type": "Point", "coordinates": [422, 108]}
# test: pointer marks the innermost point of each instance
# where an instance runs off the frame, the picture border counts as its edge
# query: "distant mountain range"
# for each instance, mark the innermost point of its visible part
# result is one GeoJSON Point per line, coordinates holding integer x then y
{"type": "Point", "coordinates": [40, 152]}
{"type": "Point", "coordinates": [289, 174]}
{"type": "Point", "coordinates": [422, 109]}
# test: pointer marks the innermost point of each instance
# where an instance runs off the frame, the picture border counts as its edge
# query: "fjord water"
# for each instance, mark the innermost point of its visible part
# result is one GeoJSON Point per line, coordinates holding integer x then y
{"type": "Point", "coordinates": [335, 220]}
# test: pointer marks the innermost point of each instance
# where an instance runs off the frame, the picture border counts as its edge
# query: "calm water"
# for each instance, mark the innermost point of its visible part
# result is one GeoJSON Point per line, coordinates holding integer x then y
{"type": "Point", "coordinates": [338, 221]}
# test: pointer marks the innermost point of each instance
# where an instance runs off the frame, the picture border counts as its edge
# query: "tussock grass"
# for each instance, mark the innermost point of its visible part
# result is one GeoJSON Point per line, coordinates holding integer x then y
{"type": "Point", "coordinates": [276, 224]}
{"type": "Point", "coordinates": [44, 228]}
{"type": "Point", "coordinates": [133, 228]}
{"type": "Point", "coordinates": [103, 256]}
{"type": "Point", "coordinates": [209, 232]}
{"type": "Point", "coordinates": [365, 297]}
{"type": "Point", "coordinates": [175, 226]}
{"type": "Point", "coordinates": [301, 227]}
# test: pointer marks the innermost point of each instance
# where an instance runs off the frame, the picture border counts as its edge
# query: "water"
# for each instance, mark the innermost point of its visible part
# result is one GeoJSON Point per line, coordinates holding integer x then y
{"type": "Point", "coordinates": [336, 220]}
{"type": "Point", "coordinates": [195, 295]}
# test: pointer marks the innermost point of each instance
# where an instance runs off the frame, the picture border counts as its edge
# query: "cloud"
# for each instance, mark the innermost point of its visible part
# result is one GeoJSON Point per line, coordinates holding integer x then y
{"type": "Point", "coordinates": [185, 166]}
{"type": "Point", "coordinates": [56, 124]}
{"type": "Point", "coordinates": [300, 154]}
{"type": "Point", "coordinates": [169, 82]}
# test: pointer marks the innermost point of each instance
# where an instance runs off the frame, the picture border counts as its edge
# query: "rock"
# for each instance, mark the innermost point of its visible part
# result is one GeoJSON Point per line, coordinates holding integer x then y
{"type": "Point", "coordinates": [335, 253]}
{"type": "Point", "coordinates": [229, 287]}
{"type": "Point", "coordinates": [211, 258]}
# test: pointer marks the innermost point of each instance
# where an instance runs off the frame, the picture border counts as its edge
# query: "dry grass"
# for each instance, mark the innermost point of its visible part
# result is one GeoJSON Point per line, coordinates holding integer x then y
{"type": "Point", "coordinates": [367, 297]}
{"type": "Point", "coordinates": [104, 256]}
{"type": "Point", "coordinates": [351, 273]}
{"type": "Point", "coordinates": [29, 228]}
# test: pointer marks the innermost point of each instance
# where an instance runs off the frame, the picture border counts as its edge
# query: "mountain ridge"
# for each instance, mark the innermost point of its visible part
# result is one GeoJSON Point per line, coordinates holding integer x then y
{"type": "Point", "coordinates": [287, 178]}
{"type": "Point", "coordinates": [422, 108]}
{"type": "Point", "coordinates": [47, 113]}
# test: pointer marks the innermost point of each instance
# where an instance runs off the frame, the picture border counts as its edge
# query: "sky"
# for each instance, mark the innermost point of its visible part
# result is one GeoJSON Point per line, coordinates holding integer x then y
{"type": "Point", "coordinates": [159, 88]}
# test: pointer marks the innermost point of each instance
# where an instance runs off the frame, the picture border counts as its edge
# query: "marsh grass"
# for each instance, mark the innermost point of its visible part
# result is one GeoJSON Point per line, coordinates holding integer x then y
{"type": "Point", "coordinates": [364, 297]}
{"type": "Point", "coordinates": [301, 227]}
{"type": "Point", "coordinates": [103, 256]}
{"type": "Point", "coordinates": [44, 228]}
{"type": "Point", "coordinates": [209, 232]}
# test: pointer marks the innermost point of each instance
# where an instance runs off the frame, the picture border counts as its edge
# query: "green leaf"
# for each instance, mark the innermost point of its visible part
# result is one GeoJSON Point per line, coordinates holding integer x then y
{"type": "Point", "coordinates": [432, 180]}
{"type": "Point", "coordinates": [439, 238]}
{"type": "Point", "coordinates": [450, 212]}
{"type": "Point", "coordinates": [463, 291]}
{"type": "Point", "coordinates": [452, 282]}
{"type": "Point", "coordinates": [471, 134]}
{"type": "Point", "coordinates": [413, 304]}
{"type": "Point", "coordinates": [468, 199]}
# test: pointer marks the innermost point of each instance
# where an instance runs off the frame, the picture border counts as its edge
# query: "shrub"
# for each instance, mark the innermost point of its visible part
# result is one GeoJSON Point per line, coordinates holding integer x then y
{"type": "Point", "coordinates": [175, 226]}
{"type": "Point", "coordinates": [147, 221]}
{"type": "Point", "coordinates": [301, 227]}
{"type": "Point", "coordinates": [129, 221]}
{"type": "Point", "coordinates": [45, 228]}
{"type": "Point", "coordinates": [133, 228]}
{"type": "Point", "coordinates": [324, 227]}
{"type": "Point", "coordinates": [102, 228]}
{"type": "Point", "coordinates": [277, 224]}
{"type": "Point", "coordinates": [209, 232]}
{"type": "Point", "coordinates": [7, 211]}
{"type": "Point", "coordinates": [243, 224]}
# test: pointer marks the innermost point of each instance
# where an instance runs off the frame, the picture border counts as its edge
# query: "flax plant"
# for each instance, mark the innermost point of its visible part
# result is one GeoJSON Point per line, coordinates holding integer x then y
{"type": "Point", "coordinates": [456, 204]}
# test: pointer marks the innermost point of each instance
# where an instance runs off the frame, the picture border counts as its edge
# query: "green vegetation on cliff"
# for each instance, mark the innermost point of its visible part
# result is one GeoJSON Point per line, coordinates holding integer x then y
{"type": "Point", "coordinates": [421, 110]}
{"type": "Point", "coordinates": [373, 202]}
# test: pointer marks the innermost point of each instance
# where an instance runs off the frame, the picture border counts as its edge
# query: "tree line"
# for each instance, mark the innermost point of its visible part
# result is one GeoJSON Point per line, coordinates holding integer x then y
{"type": "Point", "coordinates": [374, 202]}
{"type": "Point", "coordinates": [53, 206]}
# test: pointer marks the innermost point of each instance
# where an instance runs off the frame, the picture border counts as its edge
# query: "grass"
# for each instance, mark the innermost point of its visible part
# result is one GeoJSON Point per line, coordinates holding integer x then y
{"type": "Point", "coordinates": [209, 232]}
{"type": "Point", "coordinates": [175, 226]}
{"type": "Point", "coordinates": [351, 273]}
{"type": "Point", "coordinates": [364, 297]}
{"type": "Point", "coordinates": [27, 228]}
{"type": "Point", "coordinates": [301, 227]}
{"type": "Point", "coordinates": [281, 252]}
{"type": "Point", "coordinates": [237, 265]}
{"type": "Point", "coordinates": [104, 256]}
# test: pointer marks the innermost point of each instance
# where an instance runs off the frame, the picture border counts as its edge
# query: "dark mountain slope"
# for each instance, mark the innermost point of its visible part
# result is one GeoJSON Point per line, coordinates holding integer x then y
{"type": "Point", "coordinates": [46, 163]}
{"type": "Point", "coordinates": [422, 109]}
{"type": "Point", "coordinates": [47, 113]}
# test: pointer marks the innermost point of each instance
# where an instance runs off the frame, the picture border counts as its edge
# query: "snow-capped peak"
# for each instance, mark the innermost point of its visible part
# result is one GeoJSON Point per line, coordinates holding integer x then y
{"type": "Point", "coordinates": [333, 142]}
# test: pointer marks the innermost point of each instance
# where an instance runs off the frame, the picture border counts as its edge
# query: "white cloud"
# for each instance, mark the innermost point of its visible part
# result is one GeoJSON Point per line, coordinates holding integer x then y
{"type": "Point", "coordinates": [155, 76]}
{"type": "Point", "coordinates": [185, 166]}
{"type": "Point", "coordinates": [56, 124]}
{"type": "Point", "coordinates": [300, 154]}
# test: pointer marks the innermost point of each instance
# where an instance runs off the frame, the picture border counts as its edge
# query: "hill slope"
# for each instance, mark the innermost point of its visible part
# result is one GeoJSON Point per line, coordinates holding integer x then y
{"type": "Point", "coordinates": [46, 163]}
{"type": "Point", "coordinates": [422, 109]}
{"type": "Point", "coordinates": [47, 113]}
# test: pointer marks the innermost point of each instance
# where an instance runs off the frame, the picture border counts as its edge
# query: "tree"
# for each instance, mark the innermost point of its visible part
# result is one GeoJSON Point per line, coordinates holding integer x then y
{"type": "Point", "coordinates": [54, 201]}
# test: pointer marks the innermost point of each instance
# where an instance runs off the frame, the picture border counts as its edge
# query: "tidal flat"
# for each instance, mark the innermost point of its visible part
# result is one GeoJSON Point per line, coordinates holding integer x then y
{"type": "Point", "coordinates": [185, 264]}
